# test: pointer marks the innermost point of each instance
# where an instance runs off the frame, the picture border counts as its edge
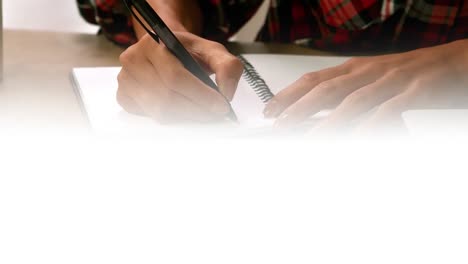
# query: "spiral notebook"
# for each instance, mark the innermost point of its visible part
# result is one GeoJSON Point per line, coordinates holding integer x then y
{"type": "Point", "coordinates": [264, 76]}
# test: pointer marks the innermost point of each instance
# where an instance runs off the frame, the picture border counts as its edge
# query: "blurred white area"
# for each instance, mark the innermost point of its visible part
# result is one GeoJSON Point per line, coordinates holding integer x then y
{"type": "Point", "coordinates": [48, 15]}
{"type": "Point", "coordinates": [72, 200]}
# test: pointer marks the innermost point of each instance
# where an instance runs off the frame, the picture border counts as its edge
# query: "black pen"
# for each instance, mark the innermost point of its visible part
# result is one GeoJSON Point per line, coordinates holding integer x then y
{"type": "Point", "coordinates": [160, 31]}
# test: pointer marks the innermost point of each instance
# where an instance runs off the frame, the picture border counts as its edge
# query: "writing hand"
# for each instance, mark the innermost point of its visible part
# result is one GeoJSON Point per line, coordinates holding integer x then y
{"type": "Point", "coordinates": [153, 82]}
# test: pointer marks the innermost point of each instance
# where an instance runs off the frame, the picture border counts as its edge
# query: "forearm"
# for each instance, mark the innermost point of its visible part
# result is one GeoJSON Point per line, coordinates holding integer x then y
{"type": "Point", "coordinates": [179, 15]}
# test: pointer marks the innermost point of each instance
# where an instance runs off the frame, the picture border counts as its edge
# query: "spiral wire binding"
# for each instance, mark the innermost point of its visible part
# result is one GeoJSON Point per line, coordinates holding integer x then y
{"type": "Point", "coordinates": [257, 83]}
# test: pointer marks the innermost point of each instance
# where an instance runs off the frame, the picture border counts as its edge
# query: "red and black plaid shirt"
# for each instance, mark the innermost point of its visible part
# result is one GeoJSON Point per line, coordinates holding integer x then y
{"type": "Point", "coordinates": [342, 25]}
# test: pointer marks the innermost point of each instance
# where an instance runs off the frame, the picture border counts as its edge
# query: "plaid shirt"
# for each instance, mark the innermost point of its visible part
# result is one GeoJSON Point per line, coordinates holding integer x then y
{"type": "Point", "coordinates": [340, 25]}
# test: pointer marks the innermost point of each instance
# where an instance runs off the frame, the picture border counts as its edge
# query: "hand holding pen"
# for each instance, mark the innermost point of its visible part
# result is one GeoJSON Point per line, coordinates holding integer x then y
{"type": "Point", "coordinates": [156, 82]}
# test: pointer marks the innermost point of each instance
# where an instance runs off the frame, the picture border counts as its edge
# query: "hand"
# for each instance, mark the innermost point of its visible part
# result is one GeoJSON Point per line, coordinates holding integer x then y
{"type": "Point", "coordinates": [434, 77]}
{"type": "Point", "coordinates": [154, 83]}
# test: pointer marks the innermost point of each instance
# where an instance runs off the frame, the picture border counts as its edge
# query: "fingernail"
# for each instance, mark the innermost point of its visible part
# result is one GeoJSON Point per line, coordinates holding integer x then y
{"type": "Point", "coordinates": [272, 109]}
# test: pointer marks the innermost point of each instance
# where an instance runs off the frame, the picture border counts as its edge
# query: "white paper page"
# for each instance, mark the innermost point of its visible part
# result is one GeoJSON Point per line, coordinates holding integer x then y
{"type": "Point", "coordinates": [97, 88]}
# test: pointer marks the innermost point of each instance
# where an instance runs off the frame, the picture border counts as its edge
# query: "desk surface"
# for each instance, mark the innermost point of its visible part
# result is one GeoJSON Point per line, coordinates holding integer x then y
{"type": "Point", "coordinates": [37, 91]}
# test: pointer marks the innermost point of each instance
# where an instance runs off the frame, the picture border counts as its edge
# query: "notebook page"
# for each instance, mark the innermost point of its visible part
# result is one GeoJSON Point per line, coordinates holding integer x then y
{"type": "Point", "coordinates": [97, 88]}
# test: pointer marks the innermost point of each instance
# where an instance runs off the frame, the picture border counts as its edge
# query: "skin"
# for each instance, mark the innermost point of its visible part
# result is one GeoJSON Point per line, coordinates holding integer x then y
{"type": "Point", "coordinates": [153, 83]}
{"type": "Point", "coordinates": [426, 78]}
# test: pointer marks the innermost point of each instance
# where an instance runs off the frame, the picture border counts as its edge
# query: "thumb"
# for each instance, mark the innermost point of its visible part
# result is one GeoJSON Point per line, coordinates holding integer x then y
{"type": "Point", "coordinates": [227, 68]}
{"type": "Point", "coordinates": [228, 74]}
{"type": "Point", "coordinates": [216, 59]}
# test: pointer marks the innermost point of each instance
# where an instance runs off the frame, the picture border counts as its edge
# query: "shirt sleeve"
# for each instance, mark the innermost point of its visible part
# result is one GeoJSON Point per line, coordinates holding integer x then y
{"type": "Point", "coordinates": [113, 18]}
{"type": "Point", "coordinates": [359, 14]}
{"type": "Point", "coordinates": [223, 18]}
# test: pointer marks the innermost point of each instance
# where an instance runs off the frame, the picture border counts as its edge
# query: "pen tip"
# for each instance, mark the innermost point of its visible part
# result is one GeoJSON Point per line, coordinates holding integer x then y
{"type": "Point", "coordinates": [232, 117]}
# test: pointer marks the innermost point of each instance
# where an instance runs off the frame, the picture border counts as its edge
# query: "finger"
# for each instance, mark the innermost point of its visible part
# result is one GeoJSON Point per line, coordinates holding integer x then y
{"type": "Point", "coordinates": [301, 87]}
{"type": "Point", "coordinates": [388, 116]}
{"type": "Point", "coordinates": [227, 68]}
{"type": "Point", "coordinates": [146, 99]}
{"type": "Point", "coordinates": [228, 72]}
{"type": "Point", "coordinates": [175, 77]}
{"type": "Point", "coordinates": [139, 66]}
{"type": "Point", "coordinates": [126, 82]}
{"type": "Point", "coordinates": [325, 95]}
{"type": "Point", "coordinates": [128, 104]}
{"type": "Point", "coordinates": [170, 108]}
{"type": "Point", "coordinates": [218, 60]}
{"type": "Point", "coordinates": [157, 101]}
{"type": "Point", "coordinates": [362, 101]}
